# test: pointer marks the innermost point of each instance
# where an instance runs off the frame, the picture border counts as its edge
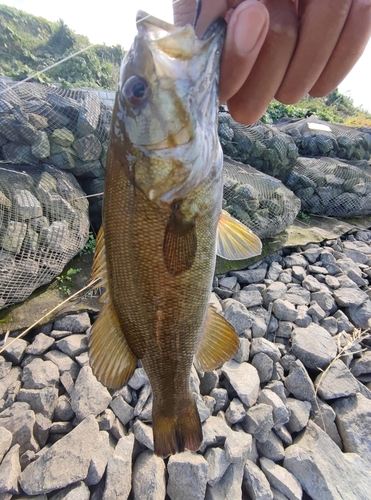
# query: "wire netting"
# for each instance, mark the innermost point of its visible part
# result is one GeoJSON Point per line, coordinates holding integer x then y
{"type": "Point", "coordinates": [331, 187]}
{"type": "Point", "coordinates": [315, 137]}
{"type": "Point", "coordinates": [262, 146]}
{"type": "Point", "coordinates": [261, 202]}
{"type": "Point", "coordinates": [44, 222]}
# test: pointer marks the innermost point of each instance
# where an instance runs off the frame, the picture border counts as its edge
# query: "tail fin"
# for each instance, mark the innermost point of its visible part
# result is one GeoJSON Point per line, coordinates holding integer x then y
{"type": "Point", "coordinates": [173, 433]}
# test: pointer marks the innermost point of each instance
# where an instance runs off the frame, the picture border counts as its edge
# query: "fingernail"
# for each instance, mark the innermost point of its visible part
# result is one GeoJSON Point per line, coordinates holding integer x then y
{"type": "Point", "coordinates": [250, 23]}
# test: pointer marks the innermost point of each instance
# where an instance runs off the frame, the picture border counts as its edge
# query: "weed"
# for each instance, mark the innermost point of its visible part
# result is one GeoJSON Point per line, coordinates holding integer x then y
{"type": "Point", "coordinates": [89, 247]}
{"type": "Point", "coordinates": [65, 280]}
{"type": "Point", "coordinates": [303, 216]}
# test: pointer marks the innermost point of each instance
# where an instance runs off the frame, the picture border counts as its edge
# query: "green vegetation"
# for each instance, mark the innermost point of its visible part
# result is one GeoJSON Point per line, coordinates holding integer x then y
{"type": "Point", "coordinates": [65, 280]}
{"type": "Point", "coordinates": [335, 108]}
{"type": "Point", "coordinates": [89, 247]}
{"type": "Point", "coordinates": [303, 216]}
{"type": "Point", "coordinates": [29, 44]}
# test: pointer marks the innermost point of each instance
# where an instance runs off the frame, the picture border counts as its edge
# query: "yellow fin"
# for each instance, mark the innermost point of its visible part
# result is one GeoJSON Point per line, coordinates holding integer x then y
{"type": "Point", "coordinates": [234, 241]}
{"type": "Point", "coordinates": [111, 358]}
{"type": "Point", "coordinates": [218, 344]}
{"type": "Point", "coordinates": [180, 243]}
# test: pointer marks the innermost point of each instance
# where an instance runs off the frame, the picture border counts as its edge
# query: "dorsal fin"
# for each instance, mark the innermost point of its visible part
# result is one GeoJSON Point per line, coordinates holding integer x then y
{"type": "Point", "coordinates": [218, 344]}
{"type": "Point", "coordinates": [234, 241]}
{"type": "Point", "coordinates": [111, 358]}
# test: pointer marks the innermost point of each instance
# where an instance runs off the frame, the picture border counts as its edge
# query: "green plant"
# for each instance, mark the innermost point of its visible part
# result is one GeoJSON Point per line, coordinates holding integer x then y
{"type": "Point", "coordinates": [303, 216]}
{"type": "Point", "coordinates": [65, 280]}
{"type": "Point", "coordinates": [89, 247]}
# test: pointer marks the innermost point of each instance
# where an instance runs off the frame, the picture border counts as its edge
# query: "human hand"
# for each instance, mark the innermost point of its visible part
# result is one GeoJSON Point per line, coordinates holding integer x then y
{"type": "Point", "coordinates": [282, 48]}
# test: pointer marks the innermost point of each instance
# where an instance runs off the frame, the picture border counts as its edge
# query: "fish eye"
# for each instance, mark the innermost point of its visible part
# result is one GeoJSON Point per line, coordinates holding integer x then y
{"type": "Point", "coordinates": [135, 90]}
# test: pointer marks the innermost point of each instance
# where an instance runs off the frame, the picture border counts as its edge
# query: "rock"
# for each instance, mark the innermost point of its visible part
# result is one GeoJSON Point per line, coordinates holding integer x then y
{"type": "Point", "coordinates": [255, 482]}
{"type": "Point", "coordinates": [284, 310]}
{"type": "Point", "coordinates": [41, 430]}
{"type": "Point", "coordinates": [62, 136]}
{"type": "Point", "coordinates": [259, 421]}
{"type": "Point", "coordinates": [76, 491]}
{"type": "Point", "coordinates": [5, 442]}
{"type": "Point", "coordinates": [235, 412]}
{"type": "Point", "coordinates": [138, 379]}
{"type": "Point", "coordinates": [12, 377]}
{"type": "Point", "coordinates": [361, 365]}
{"type": "Point", "coordinates": [248, 299]}
{"type": "Point", "coordinates": [330, 324]}
{"type": "Point", "coordinates": [249, 276]}
{"type": "Point", "coordinates": [298, 382]}
{"type": "Point", "coordinates": [218, 464]}
{"type": "Point", "coordinates": [299, 414]}
{"type": "Point", "coordinates": [281, 479]}
{"type": "Point", "coordinates": [89, 114]}
{"type": "Point", "coordinates": [74, 345]}
{"type": "Point", "coordinates": [297, 295]}
{"type": "Point", "coordinates": [316, 312]}
{"type": "Point", "coordinates": [41, 401]}
{"type": "Point", "coordinates": [274, 291]}
{"type": "Point", "coordinates": [149, 477]}
{"type": "Point", "coordinates": [221, 398]}
{"type": "Point", "coordinates": [272, 448]}
{"type": "Point", "coordinates": [100, 457]}
{"type": "Point", "coordinates": [63, 362]}
{"type": "Point", "coordinates": [324, 471]}
{"type": "Point", "coordinates": [39, 374]}
{"type": "Point", "coordinates": [215, 431]}
{"type": "Point", "coordinates": [88, 147]}
{"type": "Point", "coordinates": [238, 446]}
{"type": "Point", "coordinates": [236, 314]}
{"type": "Point", "coordinates": [65, 462]}
{"type": "Point", "coordinates": [187, 476]}
{"type": "Point", "coordinates": [15, 352]}
{"type": "Point", "coordinates": [244, 379]}
{"type": "Point", "coordinates": [75, 323]}
{"type": "Point", "coordinates": [258, 327]}
{"type": "Point", "coordinates": [324, 416]}
{"type": "Point", "coordinates": [20, 421]}
{"type": "Point", "coordinates": [122, 409]}
{"type": "Point", "coordinates": [208, 382]}
{"type": "Point", "coordinates": [229, 487]}
{"type": "Point", "coordinates": [314, 346]}
{"type": "Point", "coordinates": [280, 413]}
{"type": "Point", "coordinates": [10, 470]}
{"type": "Point", "coordinates": [266, 347]}
{"type": "Point", "coordinates": [336, 382]}
{"type": "Point", "coordinates": [88, 396]}
{"type": "Point", "coordinates": [353, 419]}
{"type": "Point", "coordinates": [144, 434]}
{"type": "Point", "coordinates": [41, 344]}
{"type": "Point", "coordinates": [343, 322]}
{"type": "Point", "coordinates": [361, 315]}
{"type": "Point", "coordinates": [346, 297]}
{"type": "Point", "coordinates": [119, 466]}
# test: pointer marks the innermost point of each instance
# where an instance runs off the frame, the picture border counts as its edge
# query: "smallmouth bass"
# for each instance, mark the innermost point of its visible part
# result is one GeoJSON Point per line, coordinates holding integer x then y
{"type": "Point", "coordinates": [162, 222]}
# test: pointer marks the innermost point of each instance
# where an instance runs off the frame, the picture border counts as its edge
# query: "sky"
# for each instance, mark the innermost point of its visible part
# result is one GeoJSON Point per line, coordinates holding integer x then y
{"type": "Point", "coordinates": [113, 22]}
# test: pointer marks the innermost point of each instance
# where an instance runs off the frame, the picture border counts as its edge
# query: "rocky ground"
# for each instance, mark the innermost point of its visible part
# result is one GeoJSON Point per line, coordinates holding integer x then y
{"type": "Point", "coordinates": [288, 417]}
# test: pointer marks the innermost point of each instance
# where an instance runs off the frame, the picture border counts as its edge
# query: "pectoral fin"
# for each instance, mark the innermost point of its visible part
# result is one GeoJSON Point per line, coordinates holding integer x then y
{"type": "Point", "coordinates": [111, 358]}
{"type": "Point", "coordinates": [234, 241]}
{"type": "Point", "coordinates": [219, 342]}
{"type": "Point", "coordinates": [180, 243]}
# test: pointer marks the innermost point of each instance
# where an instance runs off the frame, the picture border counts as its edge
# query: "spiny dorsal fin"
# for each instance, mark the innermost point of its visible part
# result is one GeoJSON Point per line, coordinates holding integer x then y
{"type": "Point", "coordinates": [111, 358]}
{"type": "Point", "coordinates": [218, 344]}
{"type": "Point", "coordinates": [234, 241]}
{"type": "Point", "coordinates": [180, 243]}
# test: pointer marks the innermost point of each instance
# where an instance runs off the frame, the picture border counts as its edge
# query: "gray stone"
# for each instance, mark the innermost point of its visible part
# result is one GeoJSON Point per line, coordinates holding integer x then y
{"type": "Point", "coordinates": [119, 466]}
{"type": "Point", "coordinates": [298, 272]}
{"type": "Point", "coordinates": [60, 427]}
{"type": "Point", "coordinates": [238, 446]}
{"type": "Point", "coordinates": [299, 414]}
{"type": "Point", "coordinates": [41, 401]}
{"type": "Point", "coordinates": [88, 396]}
{"type": "Point", "coordinates": [218, 464]}
{"type": "Point", "coordinates": [312, 253]}
{"type": "Point", "coordinates": [281, 479]}
{"type": "Point", "coordinates": [55, 236]}
{"type": "Point", "coordinates": [297, 295]}
{"type": "Point", "coordinates": [144, 434]}
{"type": "Point", "coordinates": [123, 411]}
{"type": "Point", "coordinates": [336, 382]}
{"type": "Point", "coordinates": [330, 324]}
{"type": "Point", "coordinates": [266, 347]}
{"type": "Point", "coordinates": [5, 367]}
{"type": "Point", "coordinates": [284, 435]}
{"type": "Point", "coordinates": [74, 345]}
{"type": "Point", "coordinates": [324, 416]}
{"type": "Point", "coordinates": [285, 276]}
{"type": "Point", "coordinates": [138, 379]}
{"type": "Point", "coordinates": [248, 299]}
{"type": "Point", "coordinates": [278, 388]}
{"type": "Point", "coordinates": [264, 366]}
{"type": "Point", "coordinates": [353, 419]}
{"type": "Point", "coordinates": [298, 382]}
{"type": "Point", "coordinates": [362, 365]}
{"type": "Point", "coordinates": [221, 399]}
{"type": "Point", "coordinates": [332, 282]}
{"type": "Point", "coordinates": [314, 346]}
{"type": "Point", "coordinates": [236, 314]}
{"type": "Point", "coordinates": [67, 382]}
{"type": "Point", "coordinates": [284, 310]}
{"type": "Point", "coordinates": [361, 315]}
{"type": "Point", "coordinates": [229, 487]}
{"type": "Point", "coordinates": [274, 271]}
{"type": "Point", "coordinates": [10, 470]}
{"type": "Point", "coordinates": [149, 477]}
{"type": "Point", "coordinates": [285, 328]}
{"type": "Point", "coordinates": [144, 396]}
{"type": "Point", "coordinates": [8, 380]}
{"type": "Point", "coordinates": [208, 382]}
{"type": "Point", "coordinates": [39, 374]}
{"type": "Point", "coordinates": [317, 269]}
{"type": "Point", "coordinates": [75, 323]}
{"type": "Point", "coordinates": [65, 462]}
{"type": "Point", "coordinates": [41, 429]}
{"type": "Point", "coordinates": [235, 412]}
{"type": "Point", "coordinates": [316, 312]}
{"type": "Point", "coordinates": [187, 476]}
{"type": "Point", "coordinates": [255, 482]}
{"type": "Point", "coordinates": [100, 457]}
{"type": "Point", "coordinates": [5, 441]}
{"type": "Point", "coordinates": [76, 491]}
{"type": "Point", "coordinates": [89, 114]}
{"type": "Point", "coordinates": [88, 148]}
{"type": "Point", "coordinates": [280, 413]}
{"type": "Point", "coordinates": [346, 297]}
{"type": "Point", "coordinates": [244, 379]}
{"type": "Point", "coordinates": [63, 362]}
{"type": "Point", "coordinates": [117, 430]}
{"type": "Point", "coordinates": [325, 473]}
{"type": "Point", "coordinates": [295, 259]}
{"type": "Point", "coordinates": [243, 352]}
{"type": "Point", "coordinates": [20, 421]}
{"type": "Point", "coordinates": [250, 276]}
{"type": "Point", "coordinates": [15, 352]}
{"type": "Point", "coordinates": [274, 291]}
{"type": "Point", "coordinates": [325, 300]}
{"type": "Point", "coordinates": [215, 431]}
{"type": "Point", "coordinates": [272, 448]}
{"type": "Point", "coordinates": [41, 344]}
{"type": "Point", "coordinates": [259, 421]}
{"type": "Point", "coordinates": [258, 327]}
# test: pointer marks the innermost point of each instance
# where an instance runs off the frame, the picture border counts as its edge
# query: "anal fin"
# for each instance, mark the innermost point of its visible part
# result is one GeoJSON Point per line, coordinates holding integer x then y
{"type": "Point", "coordinates": [234, 241]}
{"type": "Point", "coordinates": [111, 358]}
{"type": "Point", "coordinates": [218, 344]}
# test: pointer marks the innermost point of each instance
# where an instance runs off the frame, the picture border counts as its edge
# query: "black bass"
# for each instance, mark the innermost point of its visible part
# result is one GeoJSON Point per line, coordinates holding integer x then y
{"type": "Point", "coordinates": [162, 223]}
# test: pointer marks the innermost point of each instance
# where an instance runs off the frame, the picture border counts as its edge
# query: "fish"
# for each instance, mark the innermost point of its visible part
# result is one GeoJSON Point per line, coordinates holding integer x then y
{"type": "Point", "coordinates": [163, 225]}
